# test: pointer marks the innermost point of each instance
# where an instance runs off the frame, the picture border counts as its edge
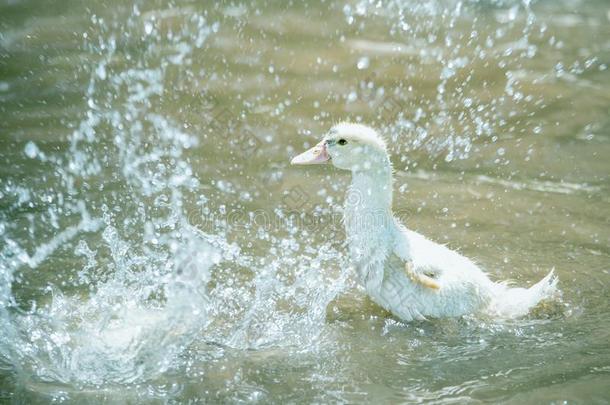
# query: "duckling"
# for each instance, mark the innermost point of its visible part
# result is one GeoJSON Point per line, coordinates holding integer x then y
{"type": "Point", "coordinates": [404, 272]}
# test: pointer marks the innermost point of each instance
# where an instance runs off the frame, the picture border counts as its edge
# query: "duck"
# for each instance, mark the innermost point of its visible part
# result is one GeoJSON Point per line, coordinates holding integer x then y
{"type": "Point", "coordinates": [409, 275]}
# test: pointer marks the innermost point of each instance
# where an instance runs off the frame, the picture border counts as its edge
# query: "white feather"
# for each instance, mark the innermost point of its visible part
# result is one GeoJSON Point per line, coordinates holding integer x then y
{"type": "Point", "coordinates": [380, 245]}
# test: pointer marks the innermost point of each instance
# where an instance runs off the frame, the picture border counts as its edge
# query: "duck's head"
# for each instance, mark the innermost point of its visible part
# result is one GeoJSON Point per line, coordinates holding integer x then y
{"type": "Point", "coordinates": [354, 147]}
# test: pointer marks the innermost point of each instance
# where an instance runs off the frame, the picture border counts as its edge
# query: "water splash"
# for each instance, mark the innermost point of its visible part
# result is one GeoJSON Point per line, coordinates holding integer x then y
{"type": "Point", "coordinates": [145, 296]}
{"type": "Point", "coordinates": [142, 284]}
{"type": "Point", "coordinates": [448, 116]}
{"type": "Point", "coordinates": [142, 291]}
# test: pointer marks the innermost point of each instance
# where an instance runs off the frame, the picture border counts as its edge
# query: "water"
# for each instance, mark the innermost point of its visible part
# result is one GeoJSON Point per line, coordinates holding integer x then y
{"type": "Point", "coordinates": [156, 246]}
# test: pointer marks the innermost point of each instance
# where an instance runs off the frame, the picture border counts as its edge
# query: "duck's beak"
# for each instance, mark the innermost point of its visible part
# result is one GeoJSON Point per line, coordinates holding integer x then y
{"type": "Point", "coordinates": [314, 156]}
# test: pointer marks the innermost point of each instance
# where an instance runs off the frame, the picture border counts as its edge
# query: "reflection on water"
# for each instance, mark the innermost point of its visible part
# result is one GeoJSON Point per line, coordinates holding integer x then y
{"type": "Point", "coordinates": [157, 246]}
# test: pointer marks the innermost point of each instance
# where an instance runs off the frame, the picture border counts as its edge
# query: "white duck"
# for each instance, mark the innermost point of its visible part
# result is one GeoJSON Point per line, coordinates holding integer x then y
{"type": "Point", "coordinates": [403, 271]}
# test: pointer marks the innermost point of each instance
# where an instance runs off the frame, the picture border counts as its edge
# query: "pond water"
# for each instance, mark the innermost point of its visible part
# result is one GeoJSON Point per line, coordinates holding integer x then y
{"type": "Point", "coordinates": [157, 246]}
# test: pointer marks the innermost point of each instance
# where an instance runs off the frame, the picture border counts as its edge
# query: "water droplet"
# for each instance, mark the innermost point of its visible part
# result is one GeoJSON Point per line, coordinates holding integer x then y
{"type": "Point", "coordinates": [31, 150]}
{"type": "Point", "coordinates": [148, 27]}
{"type": "Point", "coordinates": [101, 71]}
{"type": "Point", "coordinates": [363, 63]}
{"type": "Point", "coordinates": [512, 13]}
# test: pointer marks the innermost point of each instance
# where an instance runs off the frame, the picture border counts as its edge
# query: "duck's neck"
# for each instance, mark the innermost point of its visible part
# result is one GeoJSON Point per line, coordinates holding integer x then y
{"type": "Point", "coordinates": [368, 212]}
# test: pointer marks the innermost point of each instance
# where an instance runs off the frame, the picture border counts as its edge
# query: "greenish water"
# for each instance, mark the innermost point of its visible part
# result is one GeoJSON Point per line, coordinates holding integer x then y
{"type": "Point", "coordinates": [157, 247]}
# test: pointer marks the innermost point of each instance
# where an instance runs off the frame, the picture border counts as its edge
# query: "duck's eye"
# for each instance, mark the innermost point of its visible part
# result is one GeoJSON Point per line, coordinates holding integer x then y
{"type": "Point", "coordinates": [342, 142]}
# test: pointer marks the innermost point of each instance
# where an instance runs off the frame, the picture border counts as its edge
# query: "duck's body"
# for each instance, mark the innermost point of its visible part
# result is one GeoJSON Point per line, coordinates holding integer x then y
{"type": "Point", "coordinates": [401, 270]}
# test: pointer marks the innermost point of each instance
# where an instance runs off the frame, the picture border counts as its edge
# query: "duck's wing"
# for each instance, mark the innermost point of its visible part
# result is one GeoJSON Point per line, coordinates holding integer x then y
{"type": "Point", "coordinates": [425, 278]}
{"type": "Point", "coordinates": [402, 253]}
{"type": "Point", "coordinates": [418, 275]}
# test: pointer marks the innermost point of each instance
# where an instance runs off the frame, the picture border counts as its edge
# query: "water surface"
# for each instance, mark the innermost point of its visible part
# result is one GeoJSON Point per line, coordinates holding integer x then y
{"type": "Point", "coordinates": [156, 245]}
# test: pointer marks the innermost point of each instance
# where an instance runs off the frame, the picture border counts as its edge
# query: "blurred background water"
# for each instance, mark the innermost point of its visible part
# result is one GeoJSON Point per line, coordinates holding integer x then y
{"type": "Point", "coordinates": [156, 246]}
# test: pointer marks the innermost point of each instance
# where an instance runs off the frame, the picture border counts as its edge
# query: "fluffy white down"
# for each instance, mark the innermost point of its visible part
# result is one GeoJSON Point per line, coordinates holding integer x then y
{"type": "Point", "coordinates": [380, 246]}
{"type": "Point", "coordinates": [465, 288]}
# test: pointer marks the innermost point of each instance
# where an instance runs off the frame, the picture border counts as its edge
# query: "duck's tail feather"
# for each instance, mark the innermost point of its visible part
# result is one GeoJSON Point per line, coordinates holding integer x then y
{"type": "Point", "coordinates": [514, 302]}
